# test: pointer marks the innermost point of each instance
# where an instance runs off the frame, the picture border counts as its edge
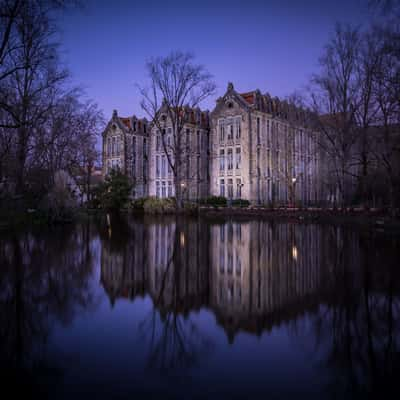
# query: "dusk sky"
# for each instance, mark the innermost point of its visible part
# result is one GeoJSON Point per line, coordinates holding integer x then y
{"type": "Point", "coordinates": [270, 45]}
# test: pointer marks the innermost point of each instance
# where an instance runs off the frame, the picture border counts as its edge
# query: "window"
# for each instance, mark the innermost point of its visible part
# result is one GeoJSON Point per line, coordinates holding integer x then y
{"type": "Point", "coordinates": [238, 128]}
{"type": "Point", "coordinates": [113, 151]}
{"type": "Point", "coordinates": [238, 188]}
{"type": "Point", "coordinates": [157, 188]}
{"type": "Point", "coordinates": [163, 167]}
{"type": "Point", "coordinates": [158, 141]}
{"type": "Point", "coordinates": [230, 188]}
{"type": "Point", "coordinates": [163, 189]}
{"type": "Point", "coordinates": [134, 126]}
{"type": "Point", "coordinates": [238, 157]}
{"type": "Point", "coordinates": [221, 130]}
{"type": "Point", "coordinates": [222, 160]}
{"type": "Point", "coordinates": [157, 166]}
{"type": "Point", "coordinates": [169, 189]}
{"type": "Point", "coordinates": [268, 134]}
{"type": "Point", "coordinates": [144, 128]}
{"type": "Point", "coordinates": [222, 188]}
{"type": "Point", "coordinates": [230, 132]}
{"type": "Point", "coordinates": [144, 147]}
{"type": "Point", "coordinates": [108, 147]}
{"type": "Point", "coordinates": [198, 167]}
{"type": "Point", "coordinates": [169, 168]}
{"type": "Point", "coordinates": [268, 162]}
{"type": "Point", "coordinates": [188, 139]}
{"type": "Point", "coordinates": [198, 141]}
{"type": "Point", "coordinates": [230, 159]}
{"type": "Point", "coordinates": [258, 131]}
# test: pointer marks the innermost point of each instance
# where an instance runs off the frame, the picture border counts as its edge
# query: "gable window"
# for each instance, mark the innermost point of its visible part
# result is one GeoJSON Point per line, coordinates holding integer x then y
{"type": "Point", "coordinates": [221, 130]}
{"type": "Point", "coordinates": [238, 128]}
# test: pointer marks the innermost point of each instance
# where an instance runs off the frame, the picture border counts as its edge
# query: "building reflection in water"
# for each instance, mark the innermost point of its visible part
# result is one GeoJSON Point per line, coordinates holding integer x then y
{"type": "Point", "coordinates": [255, 276]}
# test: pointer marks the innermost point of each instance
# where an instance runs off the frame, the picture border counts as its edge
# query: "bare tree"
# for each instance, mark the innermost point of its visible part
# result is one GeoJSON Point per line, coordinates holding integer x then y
{"type": "Point", "coordinates": [33, 87]}
{"type": "Point", "coordinates": [334, 101]}
{"type": "Point", "coordinates": [176, 86]}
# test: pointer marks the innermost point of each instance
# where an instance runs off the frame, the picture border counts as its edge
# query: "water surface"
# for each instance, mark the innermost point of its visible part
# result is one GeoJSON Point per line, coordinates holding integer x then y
{"type": "Point", "coordinates": [188, 308]}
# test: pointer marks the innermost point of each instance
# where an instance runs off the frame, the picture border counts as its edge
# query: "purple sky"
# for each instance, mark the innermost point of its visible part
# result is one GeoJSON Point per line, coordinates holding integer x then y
{"type": "Point", "coordinates": [270, 45]}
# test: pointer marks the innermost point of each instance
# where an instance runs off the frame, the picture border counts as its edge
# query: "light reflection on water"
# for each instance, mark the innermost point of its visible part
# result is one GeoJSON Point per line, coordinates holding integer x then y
{"type": "Point", "coordinates": [188, 308]}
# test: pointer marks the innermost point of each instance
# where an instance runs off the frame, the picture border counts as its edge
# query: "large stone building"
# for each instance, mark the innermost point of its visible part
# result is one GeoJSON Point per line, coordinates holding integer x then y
{"type": "Point", "coordinates": [125, 146]}
{"type": "Point", "coordinates": [194, 157]}
{"type": "Point", "coordinates": [251, 146]}
{"type": "Point", "coordinates": [262, 149]}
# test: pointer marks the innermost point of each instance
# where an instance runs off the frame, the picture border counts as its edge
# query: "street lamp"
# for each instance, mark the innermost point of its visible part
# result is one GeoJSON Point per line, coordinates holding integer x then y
{"type": "Point", "coordinates": [294, 180]}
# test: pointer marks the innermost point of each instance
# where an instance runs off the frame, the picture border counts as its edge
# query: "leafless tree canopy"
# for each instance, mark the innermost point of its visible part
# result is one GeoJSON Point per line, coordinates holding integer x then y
{"type": "Point", "coordinates": [177, 85]}
{"type": "Point", "coordinates": [44, 125]}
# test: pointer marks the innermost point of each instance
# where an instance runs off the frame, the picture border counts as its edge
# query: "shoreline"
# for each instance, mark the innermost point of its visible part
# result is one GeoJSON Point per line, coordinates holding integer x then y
{"type": "Point", "coordinates": [376, 220]}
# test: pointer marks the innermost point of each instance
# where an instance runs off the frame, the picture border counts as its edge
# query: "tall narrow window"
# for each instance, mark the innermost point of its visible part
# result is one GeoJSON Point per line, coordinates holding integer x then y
{"type": "Point", "coordinates": [113, 146]}
{"type": "Point", "coordinates": [258, 131]}
{"type": "Point", "coordinates": [158, 142]}
{"type": "Point", "coordinates": [230, 188]}
{"type": "Point", "coordinates": [109, 147]}
{"type": "Point", "coordinates": [145, 147]}
{"type": "Point", "coordinates": [157, 166]}
{"type": "Point", "coordinates": [230, 159]}
{"type": "Point", "coordinates": [169, 189]}
{"type": "Point", "coordinates": [222, 188]}
{"type": "Point", "coordinates": [238, 188]}
{"type": "Point", "coordinates": [158, 188]}
{"type": "Point", "coordinates": [238, 128]}
{"type": "Point", "coordinates": [238, 157]}
{"type": "Point", "coordinates": [221, 130]}
{"type": "Point", "coordinates": [198, 141]}
{"type": "Point", "coordinates": [163, 189]}
{"type": "Point", "coordinates": [222, 160]}
{"type": "Point", "coordinates": [230, 131]}
{"type": "Point", "coordinates": [163, 167]}
{"type": "Point", "coordinates": [188, 139]}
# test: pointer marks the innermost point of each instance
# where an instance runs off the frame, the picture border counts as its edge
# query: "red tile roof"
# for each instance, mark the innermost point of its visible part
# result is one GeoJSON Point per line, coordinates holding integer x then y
{"type": "Point", "coordinates": [126, 122]}
{"type": "Point", "coordinates": [249, 97]}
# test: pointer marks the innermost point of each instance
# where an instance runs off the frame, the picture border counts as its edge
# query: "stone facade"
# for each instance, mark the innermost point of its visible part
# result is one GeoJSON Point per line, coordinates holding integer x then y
{"type": "Point", "coordinates": [251, 147]}
{"type": "Point", "coordinates": [194, 157]}
{"type": "Point", "coordinates": [125, 146]}
{"type": "Point", "coordinates": [263, 150]}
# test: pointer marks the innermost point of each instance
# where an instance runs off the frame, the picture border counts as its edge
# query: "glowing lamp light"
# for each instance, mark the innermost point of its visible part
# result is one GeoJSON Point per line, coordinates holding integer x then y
{"type": "Point", "coordinates": [294, 253]}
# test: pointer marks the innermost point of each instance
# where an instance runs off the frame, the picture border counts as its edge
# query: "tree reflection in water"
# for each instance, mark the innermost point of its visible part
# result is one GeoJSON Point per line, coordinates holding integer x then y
{"type": "Point", "coordinates": [168, 261]}
{"type": "Point", "coordinates": [44, 278]}
{"type": "Point", "coordinates": [256, 276]}
{"type": "Point", "coordinates": [357, 328]}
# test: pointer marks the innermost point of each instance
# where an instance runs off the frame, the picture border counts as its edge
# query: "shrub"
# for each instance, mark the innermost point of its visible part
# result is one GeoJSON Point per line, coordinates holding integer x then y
{"type": "Point", "coordinates": [154, 205]}
{"type": "Point", "coordinates": [240, 203]}
{"type": "Point", "coordinates": [138, 204]}
{"type": "Point", "coordinates": [215, 201]}
{"type": "Point", "coordinates": [113, 193]}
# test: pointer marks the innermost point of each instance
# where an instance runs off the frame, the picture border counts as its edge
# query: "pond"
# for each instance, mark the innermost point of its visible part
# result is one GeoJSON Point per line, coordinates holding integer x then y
{"type": "Point", "coordinates": [198, 308]}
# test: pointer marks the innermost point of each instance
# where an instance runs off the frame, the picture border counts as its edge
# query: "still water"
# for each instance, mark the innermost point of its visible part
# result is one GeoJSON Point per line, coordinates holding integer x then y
{"type": "Point", "coordinates": [199, 309]}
